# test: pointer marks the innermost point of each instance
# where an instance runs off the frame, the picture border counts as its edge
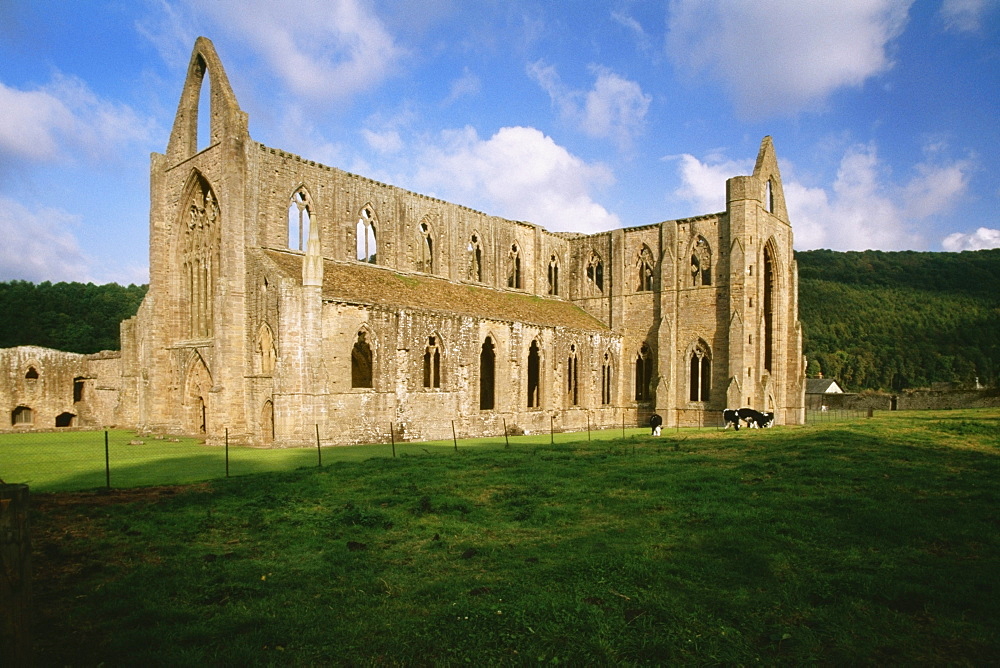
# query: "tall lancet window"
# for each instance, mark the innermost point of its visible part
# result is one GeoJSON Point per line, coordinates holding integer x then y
{"type": "Point", "coordinates": [367, 250]}
{"type": "Point", "coordinates": [534, 376]}
{"type": "Point", "coordinates": [361, 362]}
{"type": "Point", "coordinates": [426, 263]}
{"type": "Point", "coordinates": [595, 273]}
{"type": "Point", "coordinates": [572, 379]}
{"type": "Point", "coordinates": [553, 275]}
{"type": "Point", "coordinates": [644, 264]}
{"type": "Point", "coordinates": [199, 246]}
{"type": "Point", "coordinates": [298, 219]}
{"type": "Point", "coordinates": [432, 364]}
{"type": "Point", "coordinates": [700, 382]}
{"type": "Point", "coordinates": [487, 369]}
{"type": "Point", "coordinates": [514, 267]}
{"type": "Point", "coordinates": [701, 263]}
{"type": "Point", "coordinates": [643, 373]}
{"type": "Point", "coordinates": [475, 259]}
{"type": "Point", "coordinates": [606, 380]}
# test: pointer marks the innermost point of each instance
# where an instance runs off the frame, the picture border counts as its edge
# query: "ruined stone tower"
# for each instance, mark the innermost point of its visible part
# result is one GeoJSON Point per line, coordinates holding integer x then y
{"type": "Point", "coordinates": [287, 298]}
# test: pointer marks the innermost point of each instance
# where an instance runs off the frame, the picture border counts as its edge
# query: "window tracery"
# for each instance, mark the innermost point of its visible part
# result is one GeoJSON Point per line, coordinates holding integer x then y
{"type": "Point", "coordinates": [514, 267]}
{"type": "Point", "coordinates": [366, 240]}
{"type": "Point", "coordinates": [200, 257]}
{"type": "Point", "coordinates": [595, 273]}
{"type": "Point", "coordinates": [701, 263]}
{"type": "Point", "coordinates": [299, 216]}
{"type": "Point", "coordinates": [644, 265]}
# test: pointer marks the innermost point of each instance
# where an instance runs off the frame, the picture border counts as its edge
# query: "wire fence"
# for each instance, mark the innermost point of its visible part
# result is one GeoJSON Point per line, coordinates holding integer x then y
{"type": "Point", "coordinates": [819, 415]}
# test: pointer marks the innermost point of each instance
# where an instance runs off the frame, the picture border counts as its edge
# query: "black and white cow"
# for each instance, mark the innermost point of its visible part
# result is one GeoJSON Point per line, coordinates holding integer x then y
{"type": "Point", "coordinates": [655, 422]}
{"type": "Point", "coordinates": [755, 419]}
{"type": "Point", "coordinates": [731, 416]}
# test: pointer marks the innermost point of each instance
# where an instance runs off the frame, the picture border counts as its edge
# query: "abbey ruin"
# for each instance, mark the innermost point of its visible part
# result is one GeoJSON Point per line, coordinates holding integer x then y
{"type": "Point", "coordinates": [288, 298]}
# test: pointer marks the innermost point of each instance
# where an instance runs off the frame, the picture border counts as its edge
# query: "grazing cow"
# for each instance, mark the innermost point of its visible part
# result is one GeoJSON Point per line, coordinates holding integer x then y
{"type": "Point", "coordinates": [655, 422]}
{"type": "Point", "coordinates": [731, 416]}
{"type": "Point", "coordinates": [755, 419]}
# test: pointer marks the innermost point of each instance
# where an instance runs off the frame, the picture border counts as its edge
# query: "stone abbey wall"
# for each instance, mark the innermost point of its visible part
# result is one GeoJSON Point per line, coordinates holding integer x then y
{"type": "Point", "coordinates": [288, 297]}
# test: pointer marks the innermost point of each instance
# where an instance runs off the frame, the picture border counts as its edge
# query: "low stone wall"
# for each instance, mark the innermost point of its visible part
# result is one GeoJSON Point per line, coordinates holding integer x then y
{"type": "Point", "coordinates": [910, 400]}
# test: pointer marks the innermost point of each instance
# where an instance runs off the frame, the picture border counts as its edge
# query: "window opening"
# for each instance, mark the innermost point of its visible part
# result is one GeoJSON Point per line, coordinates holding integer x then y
{"type": "Point", "coordinates": [514, 267]}
{"type": "Point", "coordinates": [475, 259]}
{"type": "Point", "coordinates": [361, 362]}
{"type": "Point", "coordinates": [432, 363]}
{"type": "Point", "coordinates": [553, 275]}
{"type": "Point", "coordinates": [769, 197]}
{"type": "Point", "coordinates": [299, 215]}
{"type": "Point", "coordinates": [367, 247]}
{"type": "Point", "coordinates": [78, 385]}
{"type": "Point", "coordinates": [22, 415]}
{"type": "Point", "coordinates": [643, 373]}
{"type": "Point", "coordinates": [768, 308]}
{"type": "Point", "coordinates": [426, 250]}
{"type": "Point", "coordinates": [534, 376]}
{"type": "Point", "coordinates": [701, 374]}
{"type": "Point", "coordinates": [645, 268]}
{"type": "Point", "coordinates": [200, 255]}
{"type": "Point", "coordinates": [595, 272]}
{"type": "Point", "coordinates": [572, 380]}
{"type": "Point", "coordinates": [606, 380]}
{"type": "Point", "coordinates": [701, 263]}
{"type": "Point", "coordinates": [65, 420]}
{"type": "Point", "coordinates": [266, 353]}
{"type": "Point", "coordinates": [31, 374]}
{"type": "Point", "coordinates": [487, 364]}
{"type": "Point", "coordinates": [267, 422]}
{"type": "Point", "coordinates": [203, 119]}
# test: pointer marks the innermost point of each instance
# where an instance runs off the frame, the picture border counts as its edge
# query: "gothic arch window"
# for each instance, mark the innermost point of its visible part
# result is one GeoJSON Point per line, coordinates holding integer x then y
{"type": "Point", "coordinates": [361, 362]}
{"type": "Point", "coordinates": [643, 373]}
{"type": "Point", "coordinates": [426, 262]}
{"type": "Point", "coordinates": [553, 275]}
{"type": "Point", "coordinates": [432, 363]}
{"type": "Point", "coordinates": [769, 196]}
{"type": "Point", "coordinates": [487, 370]}
{"type": "Point", "coordinates": [299, 216]}
{"type": "Point", "coordinates": [644, 265]}
{"type": "Point", "coordinates": [606, 377]}
{"type": "Point", "coordinates": [572, 378]}
{"type": "Point", "coordinates": [267, 422]}
{"type": "Point", "coordinates": [701, 263]}
{"type": "Point", "coordinates": [700, 378]}
{"type": "Point", "coordinates": [595, 272]}
{"type": "Point", "coordinates": [22, 415]}
{"type": "Point", "coordinates": [202, 119]}
{"type": "Point", "coordinates": [199, 250]}
{"type": "Point", "coordinates": [769, 277]}
{"type": "Point", "coordinates": [475, 258]}
{"type": "Point", "coordinates": [534, 376]}
{"type": "Point", "coordinates": [31, 373]}
{"type": "Point", "coordinates": [267, 356]}
{"type": "Point", "coordinates": [514, 267]}
{"type": "Point", "coordinates": [367, 246]}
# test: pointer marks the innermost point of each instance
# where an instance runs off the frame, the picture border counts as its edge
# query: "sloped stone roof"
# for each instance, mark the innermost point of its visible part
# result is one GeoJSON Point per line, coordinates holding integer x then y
{"type": "Point", "coordinates": [822, 386]}
{"type": "Point", "coordinates": [372, 285]}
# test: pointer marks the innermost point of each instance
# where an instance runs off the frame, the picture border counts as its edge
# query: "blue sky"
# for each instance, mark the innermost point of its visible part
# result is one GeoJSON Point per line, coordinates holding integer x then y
{"type": "Point", "coordinates": [574, 115]}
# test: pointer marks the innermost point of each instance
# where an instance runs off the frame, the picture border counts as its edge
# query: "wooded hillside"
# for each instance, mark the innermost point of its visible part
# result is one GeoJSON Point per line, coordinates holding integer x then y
{"type": "Point", "coordinates": [872, 319]}
{"type": "Point", "coordinates": [894, 320]}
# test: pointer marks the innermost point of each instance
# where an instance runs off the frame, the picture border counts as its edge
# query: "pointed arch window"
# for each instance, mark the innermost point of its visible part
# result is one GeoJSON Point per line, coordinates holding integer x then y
{"type": "Point", "coordinates": [769, 196]}
{"type": "Point", "coordinates": [199, 247]}
{"type": "Point", "coordinates": [487, 368]}
{"type": "Point", "coordinates": [572, 378]}
{"type": "Point", "coordinates": [267, 356]}
{"type": "Point", "coordinates": [22, 415]}
{"type": "Point", "coordinates": [267, 422]}
{"type": "Point", "coordinates": [432, 363]}
{"type": "Point", "coordinates": [595, 273]}
{"type": "Point", "coordinates": [475, 259]}
{"type": "Point", "coordinates": [514, 267]}
{"type": "Point", "coordinates": [534, 376]}
{"type": "Point", "coordinates": [700, 380]}
{"type": "Point", "coordinates": [367, 246]}
{"type": "Point", "coordinates": [701, 263]}
{"type": "Point", "coordinates": [299, 216]}
{"type": "Point", "coordinates": [31, 373]}
{"type": "Point", "coordinates": [426, 263]}
{"type": "Point", "coordinates": [361, 362]}
{"type": "Point", "coordinates": [644, 265]}
{"type": "Point", "coordinates": [768, 307]}
{"type": "Point", "coordinates": [553, 275]}
{"type": "Point", "coordinates": [643, 373]}
{"type": "Point", "coordinates": [606, 380]}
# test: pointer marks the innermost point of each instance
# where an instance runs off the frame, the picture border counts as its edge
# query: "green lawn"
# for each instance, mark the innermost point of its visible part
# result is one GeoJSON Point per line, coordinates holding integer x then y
{"type": "Point", "coordinates": [872, 542]}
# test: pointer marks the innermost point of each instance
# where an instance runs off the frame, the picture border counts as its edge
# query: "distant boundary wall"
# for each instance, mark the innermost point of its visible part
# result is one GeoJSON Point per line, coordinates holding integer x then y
{"type": "Point", "coordinates": [908, 400]}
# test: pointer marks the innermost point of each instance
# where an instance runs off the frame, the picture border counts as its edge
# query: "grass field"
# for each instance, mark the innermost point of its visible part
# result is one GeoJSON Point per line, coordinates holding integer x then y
{"type": "Point", "coordinates": [873, 541]}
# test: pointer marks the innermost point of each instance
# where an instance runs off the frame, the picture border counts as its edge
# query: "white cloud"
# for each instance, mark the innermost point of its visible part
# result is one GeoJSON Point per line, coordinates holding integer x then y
{"type": "Point", "coordinates": [863, 208]}
{"type": "Point", "coordinates": [466, 85]}
{"type": "Point", "coordinates": [965, 15]}
{"type": "Point", "coordinates": [518, 173]}
{"type": "Point", "coordinates": [65, 119]}
{"type": "Point", "coordinates": [782, 56]}
{"type": "Point", "coordinates": [39, 244]}
{"type": "Point", "coordinates": [322, 49]}
{"type": "Point", "coordinates": [981, 239]}
{"type": "Point", "coordinates": [615, 108]}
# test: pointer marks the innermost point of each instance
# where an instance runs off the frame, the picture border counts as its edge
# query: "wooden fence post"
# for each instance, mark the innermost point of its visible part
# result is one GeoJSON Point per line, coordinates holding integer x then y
{"type": "Point", "coordinates": [15, 577]}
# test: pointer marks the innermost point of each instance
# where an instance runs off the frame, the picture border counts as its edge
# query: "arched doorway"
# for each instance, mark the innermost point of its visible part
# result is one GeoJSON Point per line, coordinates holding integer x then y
{"type": "Point", "coordinates": [198, 382]}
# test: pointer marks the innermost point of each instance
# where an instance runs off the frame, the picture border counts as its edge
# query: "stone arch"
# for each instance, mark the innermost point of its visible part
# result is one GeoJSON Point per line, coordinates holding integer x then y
{"type": "Point", "coordinates": [425, 233]}
{"type": "Point", "coordinates": [534, 375]}
{"type": "Point", "coordinates": [196, 399]}
{"type": "Point", "coordinates": [595, 273]}
{"type": "Point", "coordinates": [432, 361]}
{"type": "Point", "coordinates": [366, 234]}
{"type": "Point", "coordinates": [475, 250]}
{"type": "Point", "coordinates": [299, 218]}
{"type": "Point", "coordinates": [267, 422]}
{"type": "Point", "coordinates": [573, 376]}
{"type": "Point", "coordinates": [553, 275]}
{"type": "Point", "coordinates": [362, 360]}
{"type": "Point", "coordinates": [644, 373]}
{"type": "Point", "coordinates": [487, 373]}
{"type": "Point", "coordinates": [644, 264]}
{"type": "Point", "coordinates": [770, 279]}
{"type": "Point", "coordinates": [699, 367]}
{"type": "Point", "coordinates": [265, 353]}
{"type": "Point", "coordinates": [701, 262]}
{"type": "Point", "coordinates": [514, 267]}
{"type": "Point", "coordinates": [607, 378]}
{"type": "Point", "coordinates": [199, 239]}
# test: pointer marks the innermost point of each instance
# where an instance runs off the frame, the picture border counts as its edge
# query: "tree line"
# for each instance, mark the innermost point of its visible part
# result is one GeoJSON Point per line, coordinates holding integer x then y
{"type": "Point", "coordinates": [872, 319]}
